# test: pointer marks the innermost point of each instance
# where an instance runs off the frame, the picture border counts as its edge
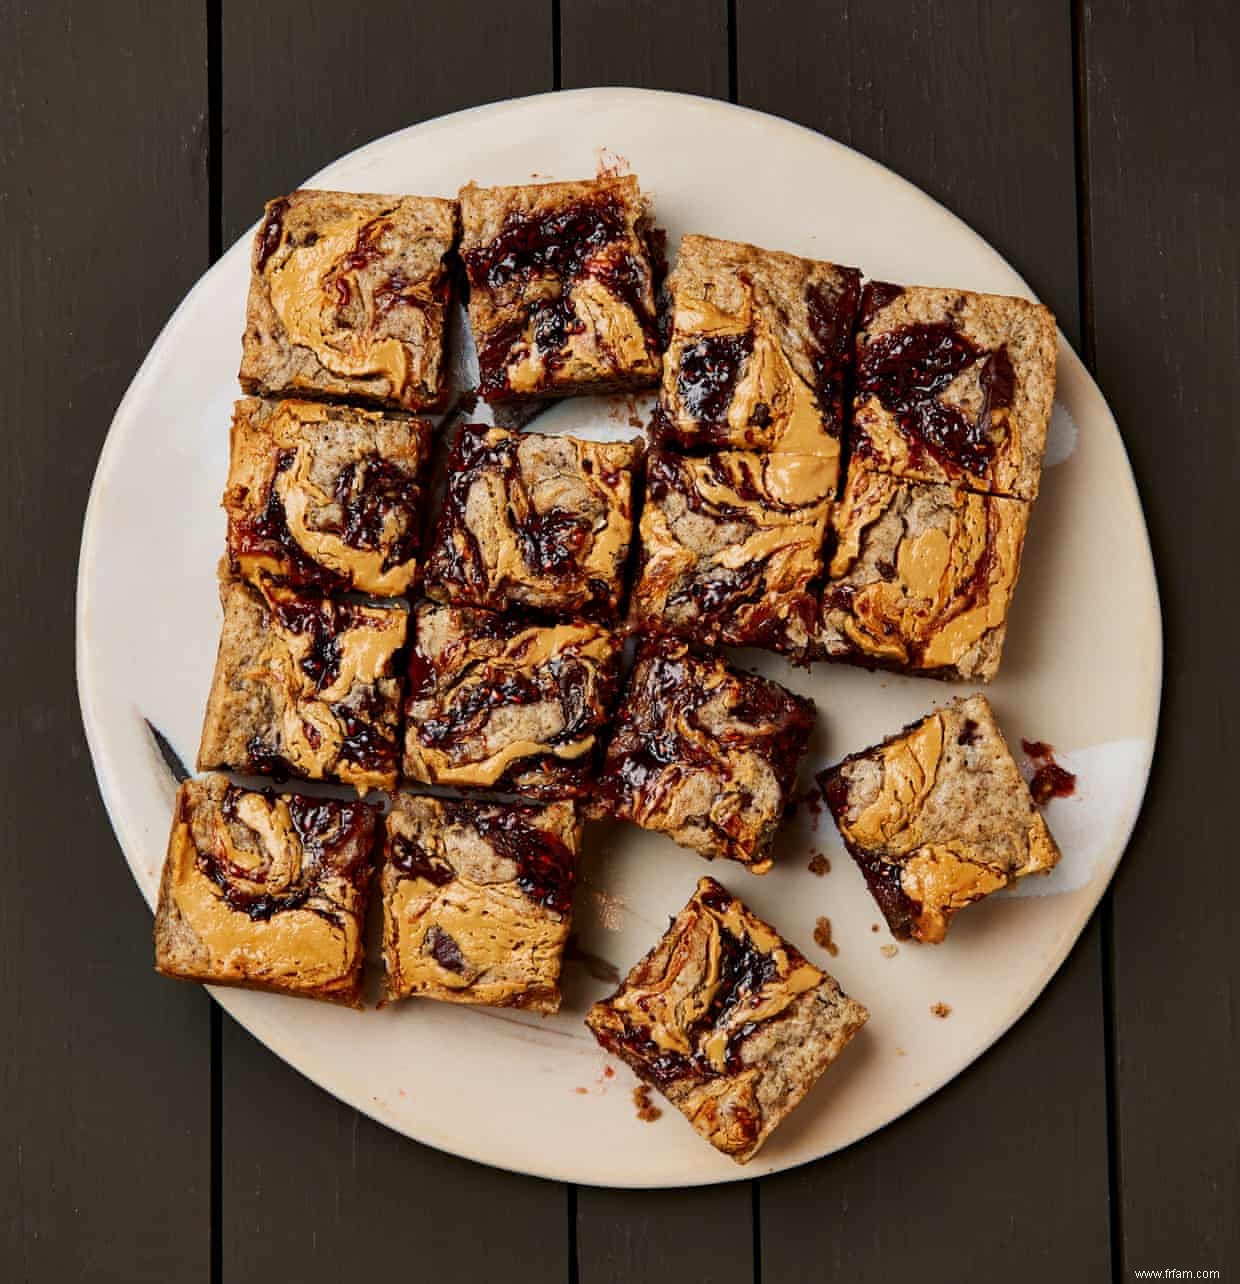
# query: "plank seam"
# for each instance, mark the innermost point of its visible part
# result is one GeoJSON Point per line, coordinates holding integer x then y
{"type": "Point", "coordinates": [215, 247]}
{"type": "Point", "coordinates": [557, 57]}
{"type": "Point", "coordinates": [1080, 113]}
{"type": "Point", "coordinates": [570, 1202]}
{"type": "Point", "coordinates": [733, 80]}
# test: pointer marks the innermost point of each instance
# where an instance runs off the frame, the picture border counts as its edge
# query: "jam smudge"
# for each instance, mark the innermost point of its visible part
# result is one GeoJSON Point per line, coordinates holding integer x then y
{"type": "Point", "coordinates": [1050, 780]}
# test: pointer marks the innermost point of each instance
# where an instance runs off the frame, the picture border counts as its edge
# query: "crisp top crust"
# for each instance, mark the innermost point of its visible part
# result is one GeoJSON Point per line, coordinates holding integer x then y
{"type": "Point", "coordinates": [265, 890]}
{"type": "Point", "coordinates": [705, 754]}
{"type": "Point", "coordinates": [760, 348]}
{"type": "Point", "coordinates": [305, 685]}
{"type": "Point", "coordinates": [500, 702]}
{"type": "Point", "coordinates": [728, 1020]}
{"type": "Point", "coordinates": [938, 817]}
{"type": "Point", "coordinates": [542, 522]}
{"type": "Point", "coordinates": [477, 900]}
{"type": "Point", "coordinates": [922, 576]}
{"type": "Point", "coordinates": [954, 386]}
{"type": "Point", "coordinates": [730, 546]}
{"type": "Point", "coordinates": [561, 286]}
{"type": "Point", "coordinates": [348, 298]}
{"type": "Point", "coordinates": [323, 496]}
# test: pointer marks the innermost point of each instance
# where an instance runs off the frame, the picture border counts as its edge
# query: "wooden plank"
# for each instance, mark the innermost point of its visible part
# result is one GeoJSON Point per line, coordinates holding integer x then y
{"type": "Point", "coordinates": [625, 1237]}
{"type": "Point", "coordinates": [308, 1183]}
{"type": "Point", "coordinates": [646, 44]}
{"type": "Point", "coordinates": [1162, 98]}
{"type": "Point", "coordinates": [973, 103]}
{"type": "Point", "coordinates": [105, 1083]}
{"type": "Point", "coordinates": [303, 84]}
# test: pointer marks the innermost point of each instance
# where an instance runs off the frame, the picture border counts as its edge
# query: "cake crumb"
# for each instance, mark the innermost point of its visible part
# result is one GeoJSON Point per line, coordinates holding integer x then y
{"type": "Point", "coordinates": [819, 864]}
{"type": "Point", "coordinates": [873, 927]}
{"type": "Point", "coordinates": [822, 936]}
{"type": "Point", "coordinates": [889, 951]}
{"type": "Point", "coordinates": [942, 1010]}
{"type": "Point", "coordinates": [608, 1072]}
{"type": "Point", "coordinates": [899, 1052]}
{"type": "Point", "coordinates": [582, 1092]}
{"type": "Point", "coordinates": [647, 1111]}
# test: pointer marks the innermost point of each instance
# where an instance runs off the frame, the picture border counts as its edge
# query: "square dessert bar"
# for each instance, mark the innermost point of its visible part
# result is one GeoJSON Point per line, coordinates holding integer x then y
{"type": "Point", "coordinates": [760, 349]}
{"type": "Point", "coordinates": [938, 817]}
{"type": "Point", "coordinates": [502, 702]}
{"type": "Point", "coordinates": [305, 686]}
{"type": "Point", "coordinates": [534, 521]}
{"type": "Point", "coordinates": [477, 900]}
{"type": "Point", "coordinates": [732, 547]}
{"type": "Point", "coordinates": [705, 754]}
{"type": "Point", "coordinates": [561, 291]}
{"type": "Point", "coordinates": [266, 891]}
{"type": "Point", "coordinates": [921, 577]}
{"type": "Point", "coordinates": [954, 387]}
{"type": "Point", "coordinates": [323, 496]}
{"type": "Point", "coordinates": [728, 1021]}
{"type": "Point", "coordinates": [348, 299]}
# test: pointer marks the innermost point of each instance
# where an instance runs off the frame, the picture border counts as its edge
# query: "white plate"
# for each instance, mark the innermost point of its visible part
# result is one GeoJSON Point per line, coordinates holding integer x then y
{"type": "Point", "coordinates": [1082, 670]}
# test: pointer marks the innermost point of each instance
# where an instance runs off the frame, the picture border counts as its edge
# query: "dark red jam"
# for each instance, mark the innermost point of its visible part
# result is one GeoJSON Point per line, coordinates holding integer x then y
{"type": "Point", "coordinates": [546, 868]}
{"type": "Point", "coordinates": [708, 374]}
{"type": "Point", "coordinates": [328, 831]}
{"type": "Point", "coordinates": [272, 232]}
{"type": "Point", "coordinates": [413, 860]}
{"type": "Point", "coordinates": [1050, 780]}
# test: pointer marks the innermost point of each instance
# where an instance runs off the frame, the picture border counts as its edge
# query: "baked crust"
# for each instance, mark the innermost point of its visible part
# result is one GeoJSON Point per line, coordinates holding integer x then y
{"type": "Point", "coordinates": [266, 891]}
{"type": "Point", "coordinates": [305, 686]}
{"type": "Point", "coordinates": [760, 349]}
{"type": "Point", "coordinates": [705, 754]}
{"type": "Point", "coordinates": [938, 817]}
{"type": "Point", "coordinates": [477, 900]}
{"type": "Point", "coordinates": [561, 287]}
{"type": "Point", "coordinates": [921, 577]}
{"type": "Point", "coordinates": [328, 497]}
{"type": "Point", "coordinates": [503, 702]}
{"type": "Point", "coordinates": [954, 386]}
{"type": "Point", "coordinates": [534, 521]}
{"type": "Point", "coordinates": [732, 547]}
{"type": "Point", "coordinates": [728, 1021]}
{"type": "Point", "coordinates": [348, 299]}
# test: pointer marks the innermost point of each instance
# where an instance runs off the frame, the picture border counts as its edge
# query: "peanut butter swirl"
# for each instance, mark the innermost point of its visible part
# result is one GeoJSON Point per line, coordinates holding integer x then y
{"type": "Point", "coordinates": [265, 890]}
{"type": "Point", "coordinates": [543, 522]}
{"type": "Point", "coordinates": [732, 546]}
{"type": "Point", "coordinates": [728, 1020]}
{"type": "Point", "coordinates": [922, 576]}
{"type": "Point", "coordinates": [326, 497]}
{"type": "Point", "coordinates": [498, 701]}
{"type": "Point", "coordinates": [938, 817]}
{"type": "Point", "coordinates": [477, 900]}
{"type": "Point", "coordinates": [705, 754]}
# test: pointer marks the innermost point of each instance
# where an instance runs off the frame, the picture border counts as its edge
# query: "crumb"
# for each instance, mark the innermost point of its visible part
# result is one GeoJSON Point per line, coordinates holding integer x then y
{"type": "Point", "coordinates": [647, 1111]}
{"type": "Point", "coordinates": [889, 951]}
{"type": "Point", "coordinates": [899, 1052]}
{"type": "Point", "coordinates": [942, 1010]}
{"type": "Point", "coordinates": [822, 936]}
{"type": "Point", "coordinates": [608, 1072]}
{"type": "Point", "coordinates": [611, 164]}
{"type": "Point", "coordinates": [873, 927]}
{"type": "Point", "coordinates": [582, 1092]}
{"type": "Point", "coordinates": [819, 864]}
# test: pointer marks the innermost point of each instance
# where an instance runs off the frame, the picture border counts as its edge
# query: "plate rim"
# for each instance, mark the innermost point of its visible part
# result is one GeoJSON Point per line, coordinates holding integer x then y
{"type": "Point", "coordinates": [91, 533]}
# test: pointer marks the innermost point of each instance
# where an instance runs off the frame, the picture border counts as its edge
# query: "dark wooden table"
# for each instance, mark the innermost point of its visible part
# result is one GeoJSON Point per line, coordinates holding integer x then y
{"type": "Point", "coordinates": [145, 1137]}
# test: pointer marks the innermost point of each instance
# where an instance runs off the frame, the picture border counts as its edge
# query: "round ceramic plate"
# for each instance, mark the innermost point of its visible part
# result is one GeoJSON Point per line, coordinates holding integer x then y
{"type": "Point", "coordinates": [1082, 670]}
